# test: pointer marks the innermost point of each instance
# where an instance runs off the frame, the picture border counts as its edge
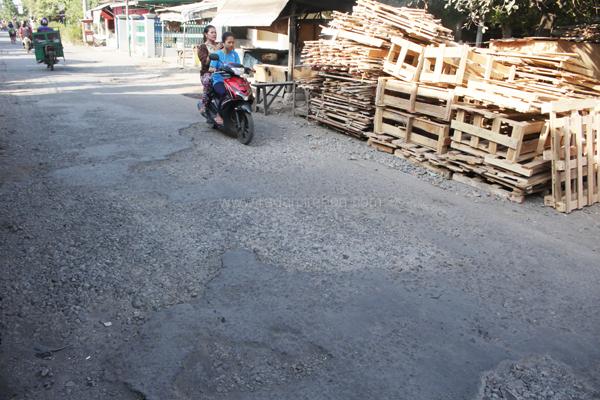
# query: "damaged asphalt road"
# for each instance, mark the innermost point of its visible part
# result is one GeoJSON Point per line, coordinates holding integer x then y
{"type": "Point", "coordinates": [145, 256]}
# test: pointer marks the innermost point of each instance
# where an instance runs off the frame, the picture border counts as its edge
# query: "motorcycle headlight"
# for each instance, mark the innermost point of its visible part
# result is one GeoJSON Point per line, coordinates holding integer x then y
{"type": "Point", "coordinates": [238, 71]}
{"type": "Point", "coordinates": [242, 95]}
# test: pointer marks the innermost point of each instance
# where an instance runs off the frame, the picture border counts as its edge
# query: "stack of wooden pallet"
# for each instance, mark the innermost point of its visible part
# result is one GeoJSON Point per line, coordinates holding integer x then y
{"type": "Point", "coordinates": [500, 146]}
{"type": "Point", "coordinates": [411, 112]}
{"type": "Point", "coordinates": [475, 112]}
{"type": "Point", "coordinates": [414, 108]}
{"type": "Point", "coordinates": [349, 64]}
{"type": "Point", "coordinates": [505, 127]}
{"type": "Point", "coordinates": [395, 76]}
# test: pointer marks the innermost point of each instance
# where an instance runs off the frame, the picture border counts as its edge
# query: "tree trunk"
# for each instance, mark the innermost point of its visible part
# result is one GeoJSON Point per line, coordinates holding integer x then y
{"type": "Point", "coordinates": [458, 28]}
{"type": "Point", "coordinates": [546, 24]}
{"type": "Point", "coordinates": [506, 30]}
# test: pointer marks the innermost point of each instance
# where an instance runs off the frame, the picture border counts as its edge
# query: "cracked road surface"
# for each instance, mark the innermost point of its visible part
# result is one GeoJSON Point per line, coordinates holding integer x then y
{"type": "Point", "coordinates": [145, 256]}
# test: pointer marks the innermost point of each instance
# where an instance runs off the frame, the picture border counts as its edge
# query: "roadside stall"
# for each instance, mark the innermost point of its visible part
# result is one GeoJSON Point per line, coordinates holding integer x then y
{"type": "Point", "coordinates": [276, 27]}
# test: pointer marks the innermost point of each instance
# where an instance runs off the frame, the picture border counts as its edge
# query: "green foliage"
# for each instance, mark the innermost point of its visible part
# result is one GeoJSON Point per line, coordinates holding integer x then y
{"type": "Point", "coordinates": [71, 32]}
{"type": "Point", "coordinates": [488, 13]}
{"type": "Point", "coordinates": [73, 9]}
{"type": "Point", "coordinates": [9, 10]}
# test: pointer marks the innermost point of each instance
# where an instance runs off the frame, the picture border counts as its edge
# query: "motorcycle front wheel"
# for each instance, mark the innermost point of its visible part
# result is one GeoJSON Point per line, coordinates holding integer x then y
{"type": "Point", "coordinates": [244, 126]}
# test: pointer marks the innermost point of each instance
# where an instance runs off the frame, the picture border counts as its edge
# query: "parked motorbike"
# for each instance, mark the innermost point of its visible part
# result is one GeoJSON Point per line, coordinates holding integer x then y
{"type": "Point", "coordinates": [235, 108]}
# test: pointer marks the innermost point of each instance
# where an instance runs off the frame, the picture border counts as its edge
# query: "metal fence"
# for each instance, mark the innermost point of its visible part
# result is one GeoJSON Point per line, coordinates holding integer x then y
{"type": "Point", "coordinates": [188, 36]}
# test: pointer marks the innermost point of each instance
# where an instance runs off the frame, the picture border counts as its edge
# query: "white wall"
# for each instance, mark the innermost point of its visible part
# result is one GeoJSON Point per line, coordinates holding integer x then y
{"type": "Point", "coordinates": [276, 41]}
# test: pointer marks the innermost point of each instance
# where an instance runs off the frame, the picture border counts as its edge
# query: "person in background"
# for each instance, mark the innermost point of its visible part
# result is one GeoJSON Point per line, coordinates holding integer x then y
{"type": "Point", "coordinates": [210, 45]}
{"type": "Point", "coordinates": [226, 56]}
{"type": "Point", "coordinates": [44, 26]}
{"type": "Point", "coordinates": [12, 33]}
{"type": "Point", "coordinates": [25, 35]}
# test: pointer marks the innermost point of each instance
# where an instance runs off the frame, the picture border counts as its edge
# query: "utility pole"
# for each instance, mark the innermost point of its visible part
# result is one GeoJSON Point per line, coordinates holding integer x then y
{"type": "Point", "coordinates": [292, 43]}
{"type": "Point", "coordinates": [128, 28]}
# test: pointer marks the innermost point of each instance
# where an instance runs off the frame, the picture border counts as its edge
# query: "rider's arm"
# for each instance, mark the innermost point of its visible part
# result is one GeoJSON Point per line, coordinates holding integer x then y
{"type": "Point", "coordinates": [214, 65]}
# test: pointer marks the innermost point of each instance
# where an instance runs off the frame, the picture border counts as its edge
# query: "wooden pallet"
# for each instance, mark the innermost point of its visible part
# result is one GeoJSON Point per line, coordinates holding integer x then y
{"type": "Point", "coordinates": [514, 137]}
{"type": "Point", "coordinates": [382, 143]}
{"type": "Point", "coordinates": [506, 95]}
{"type": "Point", "coordinates": [575, 154]}
{"type": "Point", "coordinates": [421, 156]}
{"type": "Point", "coordinates": [444, 65]}
{"type": "Point", "coordinates": [412, 128]}
{"type": "Point", "coordinates": [415, 98]}
{"type": "Point", "coordinates": [404, 59]}
{"type": "Point", "coordinates": [535, 179]}
{"type": "Point", "coordinates": [487, 66]}
{"type": "Point", "coordinates": [514, 195]}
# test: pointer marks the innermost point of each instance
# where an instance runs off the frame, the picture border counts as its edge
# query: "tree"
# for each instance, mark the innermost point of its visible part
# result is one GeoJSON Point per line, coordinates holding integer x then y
{"type": "Point", "coordinates": [9, 10]}
{"type": "Point", "coordinates": [506, 13]}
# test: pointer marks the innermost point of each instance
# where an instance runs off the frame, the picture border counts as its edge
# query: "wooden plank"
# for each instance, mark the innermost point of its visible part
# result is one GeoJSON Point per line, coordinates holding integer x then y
{"type": "Point", "coordinates": [517, 197]}
{"type": "Point", "coordinates": [570, 105]}
{"type": "Point", "coordinates": [364, 39]}
{"type": "Point", "coordinates": [482, 133]}
{"type": "Point", "coordinates": [577, 131]}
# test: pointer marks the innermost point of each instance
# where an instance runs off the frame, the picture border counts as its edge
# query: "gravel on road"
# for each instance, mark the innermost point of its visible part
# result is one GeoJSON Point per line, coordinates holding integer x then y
{"type": "Point", "coordinates": [146, 256]}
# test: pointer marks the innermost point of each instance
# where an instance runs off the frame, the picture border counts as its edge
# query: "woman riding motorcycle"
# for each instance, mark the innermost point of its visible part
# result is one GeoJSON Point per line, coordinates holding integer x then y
{"type": "Point", "coordinates": [226, 56]}
{"type": "Point", "coordinates": [210, 45]}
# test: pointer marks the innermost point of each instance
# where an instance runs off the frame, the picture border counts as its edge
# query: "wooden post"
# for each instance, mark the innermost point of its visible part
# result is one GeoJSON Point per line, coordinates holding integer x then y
{"type": "Point", "coordinates": [162, 40]}
{"type": "Point", "coordinates": [292, 43]}
{"type": "Point", "coordinates": [183, 54]}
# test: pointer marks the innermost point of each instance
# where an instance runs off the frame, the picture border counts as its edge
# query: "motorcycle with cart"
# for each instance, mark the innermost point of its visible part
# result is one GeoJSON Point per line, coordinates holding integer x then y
{"type": "Point", "coordinates": [48, 48]}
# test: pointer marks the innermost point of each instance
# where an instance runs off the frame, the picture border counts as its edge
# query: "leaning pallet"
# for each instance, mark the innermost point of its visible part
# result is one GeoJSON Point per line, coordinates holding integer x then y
{"type": "Point", "coordinates": [575, 154]}
{"type": "Point", "coordinates": [404, 60]}
{"type": "Point", "coordinates": [443, 65]}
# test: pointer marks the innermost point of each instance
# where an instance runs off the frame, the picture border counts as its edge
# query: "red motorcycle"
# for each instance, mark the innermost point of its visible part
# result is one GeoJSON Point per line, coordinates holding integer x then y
{"type": "Point", "coordinates": [235, 108]}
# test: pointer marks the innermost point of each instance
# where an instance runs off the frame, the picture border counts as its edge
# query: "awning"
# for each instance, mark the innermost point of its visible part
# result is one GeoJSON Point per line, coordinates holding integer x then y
{"type": "Point", "coordinates": [113, 5]}
{"type": "Point", "coordinates": [189, 12]}
{"type": "Point", "coordinates": [249, 12]}
{"type": "Point", "coordinates": [171, 17]}
{"type": "Point", "coordinates": [107, 15]}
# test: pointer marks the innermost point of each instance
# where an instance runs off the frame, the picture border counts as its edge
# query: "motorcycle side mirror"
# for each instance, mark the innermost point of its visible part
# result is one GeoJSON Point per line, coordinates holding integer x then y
{"type": "Point", "coordinates": [213, 57]}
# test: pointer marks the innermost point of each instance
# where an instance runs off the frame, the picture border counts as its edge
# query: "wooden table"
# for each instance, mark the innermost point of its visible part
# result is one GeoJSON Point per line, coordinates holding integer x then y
{"type": "Point", "coordinates": [267, 92]}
